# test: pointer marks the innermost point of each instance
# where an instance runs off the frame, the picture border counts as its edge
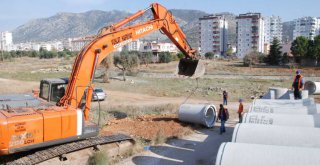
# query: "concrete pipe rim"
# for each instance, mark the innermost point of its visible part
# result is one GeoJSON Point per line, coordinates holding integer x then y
{"type": "Point", "coordinates": [235, 133]}
{"type": "Point", "coordinates": [210, 115]}
{"type": "Point", "coordinates": [311, 87]}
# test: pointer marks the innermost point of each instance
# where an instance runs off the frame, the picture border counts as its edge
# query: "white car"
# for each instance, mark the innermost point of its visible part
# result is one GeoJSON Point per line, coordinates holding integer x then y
{"type": "Point", "coordinates": [98, 94]}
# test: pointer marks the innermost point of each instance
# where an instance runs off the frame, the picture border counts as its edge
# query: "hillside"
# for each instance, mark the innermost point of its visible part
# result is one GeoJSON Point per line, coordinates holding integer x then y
{"type": "Point", "coordinates": [66, 25]}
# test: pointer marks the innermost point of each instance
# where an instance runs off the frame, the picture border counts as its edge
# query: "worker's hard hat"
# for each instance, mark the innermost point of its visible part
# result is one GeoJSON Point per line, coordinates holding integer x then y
{"type": "Point", "coordinates": [298, 72]}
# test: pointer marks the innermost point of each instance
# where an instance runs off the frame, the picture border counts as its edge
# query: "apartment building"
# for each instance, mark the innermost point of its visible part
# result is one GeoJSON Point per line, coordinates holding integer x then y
{"type": "Point", "coordinates": [250, 34]}
{"type": "Point", "coordinates": [213, 34]}
{"type": "Point", "coordinates": [78, 43]}
{"type": "Point", "coordinates": [272, 29]}
{"type": "Point", "coordinates": [6, 41]}
{"type": "Point", "coordinates": [157, 47]}
{"type": "Point", "coordinates": [135, 45]}
{"type": "Point", "coordinates": [308, 27]}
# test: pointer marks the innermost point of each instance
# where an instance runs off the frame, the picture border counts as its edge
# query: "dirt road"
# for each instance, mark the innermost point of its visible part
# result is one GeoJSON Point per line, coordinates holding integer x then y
{"type": "Point", "coordinates": [198, 148]}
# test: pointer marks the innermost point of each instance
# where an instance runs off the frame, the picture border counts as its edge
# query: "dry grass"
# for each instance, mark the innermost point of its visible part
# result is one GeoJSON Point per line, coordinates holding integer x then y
{"type": "Point", "coordinates": [99, 158]}
{"type": "Point", "coordinates": [207, 89]}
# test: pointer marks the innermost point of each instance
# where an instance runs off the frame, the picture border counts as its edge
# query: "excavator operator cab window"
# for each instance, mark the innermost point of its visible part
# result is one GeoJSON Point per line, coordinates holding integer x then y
{"type": "Point", "coordinates": [44, 91]}
{"type": "Point", "coordinates": [57, 92]}
{"type": "Point", "coordinates": [52, 90]}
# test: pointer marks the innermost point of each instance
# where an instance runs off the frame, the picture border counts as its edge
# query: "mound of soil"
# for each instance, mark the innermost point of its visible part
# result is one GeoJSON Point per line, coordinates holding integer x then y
{"type": "Point", "coordinates": [148, 127]}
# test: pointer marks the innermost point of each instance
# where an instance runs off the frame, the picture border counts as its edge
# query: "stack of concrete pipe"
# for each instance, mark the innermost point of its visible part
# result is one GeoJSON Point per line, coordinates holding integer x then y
{"type": "Point", "coordinates": [273, 132]}
{"type": "Point", "coordinates": [284, 93]}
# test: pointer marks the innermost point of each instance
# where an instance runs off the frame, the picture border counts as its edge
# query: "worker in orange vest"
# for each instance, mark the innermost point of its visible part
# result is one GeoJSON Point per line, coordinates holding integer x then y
{"type": "Point", "coordinates": [298, 85]}
{"type": "Point", "coordinates": [240, 110]}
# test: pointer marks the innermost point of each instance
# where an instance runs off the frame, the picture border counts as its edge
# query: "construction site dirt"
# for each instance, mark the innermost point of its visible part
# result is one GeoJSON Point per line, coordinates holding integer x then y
{"type": "Point", "coordinates": [146, 108]}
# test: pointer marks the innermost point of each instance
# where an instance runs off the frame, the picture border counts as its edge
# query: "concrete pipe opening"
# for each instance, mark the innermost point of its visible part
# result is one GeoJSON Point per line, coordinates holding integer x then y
{"type": "Point", "coordinates": [312, 87]}
{"type": "Point", "coordinates": [198, 114]}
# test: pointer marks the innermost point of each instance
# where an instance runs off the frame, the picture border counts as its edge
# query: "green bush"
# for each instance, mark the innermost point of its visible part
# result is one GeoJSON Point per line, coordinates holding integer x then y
{"type": "Point", "coordinates": [180, 55]}
{"type": "Point", "coordinates": [209, 55]}
{"type": "Point", "coordinates": [165, 57]}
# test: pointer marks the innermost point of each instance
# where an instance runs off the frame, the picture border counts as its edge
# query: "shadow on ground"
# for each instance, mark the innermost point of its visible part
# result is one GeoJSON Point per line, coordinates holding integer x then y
{"type": "Point", "coordinates": [201, 148]}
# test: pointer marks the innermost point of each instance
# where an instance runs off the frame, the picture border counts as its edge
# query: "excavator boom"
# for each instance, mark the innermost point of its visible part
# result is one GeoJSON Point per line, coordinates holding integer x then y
{"type": "Point", "coordinates": [116, 36]}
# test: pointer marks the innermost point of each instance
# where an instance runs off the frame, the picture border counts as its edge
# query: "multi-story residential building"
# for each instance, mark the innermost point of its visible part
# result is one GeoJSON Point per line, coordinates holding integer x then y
{"type": "Point", "coordinates": [78, 43]}
{"type": "Point", "coordinates": [272, 29]}
{"type": "Point", "coordinates": [156, 47]}
{"type": "Point", "coordinates": [135, 45]}
{"type": "Point", "coordinates": [5, 41]}
{"type": "Point", "coordinates": [213, 34]}
{"type": "Point", "coordinates": [250, 34]}
{"type": "Point", "coordinates": [308, 27]}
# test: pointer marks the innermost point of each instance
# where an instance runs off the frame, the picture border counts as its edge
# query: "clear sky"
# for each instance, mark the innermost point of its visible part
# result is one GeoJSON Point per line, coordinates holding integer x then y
{"type": "Point", "coordinates": [17, 12]}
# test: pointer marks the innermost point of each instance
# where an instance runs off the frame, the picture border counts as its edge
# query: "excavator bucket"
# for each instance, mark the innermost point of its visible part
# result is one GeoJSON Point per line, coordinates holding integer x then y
{"type": "Point", "coordinates": [190, 67]}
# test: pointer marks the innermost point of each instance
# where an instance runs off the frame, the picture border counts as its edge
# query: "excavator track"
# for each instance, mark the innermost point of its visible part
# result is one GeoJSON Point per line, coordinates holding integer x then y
{"type": "Point", "coordinates": [58, 151]}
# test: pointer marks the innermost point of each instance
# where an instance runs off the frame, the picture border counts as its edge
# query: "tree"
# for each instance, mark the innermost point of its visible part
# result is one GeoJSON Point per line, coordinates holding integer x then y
{"type": "Point", "coordinates": [125, 62]}
{"type": "Point", "coordinates": [285, 58]}
{"type": "Point", "coordinates": [209, 55]}
{"type": "Point", "coordinates": [180, 55]}
{"type": "Point", "coordinates": [106, 63]}
{"type": "Point", "coordinates": [311, 50]}
{"type": "Point", "coordinates": [299, 46]}
{"type": "Point", "coordinates": [253, 58]}
{"type": "Point", "coordinates": [229, 52]}
{"type": "Point", "coordinates": [165, 57]}
{"type": "Point", "coordinates": [145, 57]}
{"type": "Point", "coordinates": [317, 47]}
{"type": "Point", "coordinates": [275, 53]}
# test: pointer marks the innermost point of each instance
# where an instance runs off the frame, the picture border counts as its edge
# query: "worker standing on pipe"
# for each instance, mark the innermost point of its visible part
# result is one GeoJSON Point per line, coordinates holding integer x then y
{"type": "Point", "coordinates": [298, 85]}
{"type": "Point", "coordinates": [223, 115]}
{"type": "Point", "coordinates": [240, 110]}
{"type": "Point", "coordinates": [225, 97]}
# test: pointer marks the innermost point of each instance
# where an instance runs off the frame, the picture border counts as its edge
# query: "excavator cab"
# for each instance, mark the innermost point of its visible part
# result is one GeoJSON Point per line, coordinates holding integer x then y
{"type": "Point", "coordinates": [52, 90]}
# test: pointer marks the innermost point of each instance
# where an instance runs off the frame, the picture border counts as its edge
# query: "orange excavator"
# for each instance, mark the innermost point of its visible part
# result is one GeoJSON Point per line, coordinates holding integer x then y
{"type": "Point", "coordinates": [60, 113]}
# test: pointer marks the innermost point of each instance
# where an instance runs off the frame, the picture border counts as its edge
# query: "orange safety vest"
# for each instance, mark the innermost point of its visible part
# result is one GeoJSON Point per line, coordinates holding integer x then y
{"type": "Point", "coordinates": [299, 82]}
{"type": "Point", "coordinates": [240, 110]}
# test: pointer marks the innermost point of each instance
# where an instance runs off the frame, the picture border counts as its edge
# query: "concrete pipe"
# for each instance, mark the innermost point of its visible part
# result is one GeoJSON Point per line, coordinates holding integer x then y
{"type": "Point", "coordinates": [305, 94]}
{"type": "Point", "coordinates": [302, 102]}
{"type": "Point", "coordinates": [313, 87]}
{"type": "Point", "coordinates": [198, 113]}
{"type": "Point", "coordinates": [282, 119]}
{"type": "Point", "coordinates": [288, 96]}
{"type": "Point", "coordinates": [302, 110]}
{"type": "Point", "coordinates": [278, 92]}
{"type": "Point", "coordinates": [255, 154]}
{"type": "Point", "coordinates": [276, 135]}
